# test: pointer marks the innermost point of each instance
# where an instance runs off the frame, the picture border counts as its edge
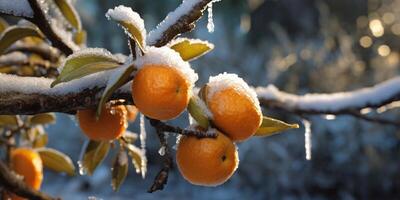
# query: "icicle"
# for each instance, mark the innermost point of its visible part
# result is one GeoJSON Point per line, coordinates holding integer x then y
{"type": "Point", "coordinates": [210, 24]}
{"type": "Point", "coordinates": [161, 151]}
{"type": "Point", "coordinates": [307, 138]}
{"type": "Point", "coordinates": [143, 144]}
{"type": "Point", "coordinates": [82, 169]}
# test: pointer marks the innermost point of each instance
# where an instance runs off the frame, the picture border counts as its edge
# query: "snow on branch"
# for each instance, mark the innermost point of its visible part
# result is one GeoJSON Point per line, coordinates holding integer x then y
{"type": "Point", "coordinates": [335, 103]}
{"type": "Point", "coordinates": [19, 8]}
{"type": "Point", "coordinates": [179, 21]}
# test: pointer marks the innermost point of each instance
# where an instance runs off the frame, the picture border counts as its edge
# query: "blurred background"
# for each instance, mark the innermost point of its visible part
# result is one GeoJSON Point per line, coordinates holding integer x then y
{"type": "Point", "coordinates": [301, 46]}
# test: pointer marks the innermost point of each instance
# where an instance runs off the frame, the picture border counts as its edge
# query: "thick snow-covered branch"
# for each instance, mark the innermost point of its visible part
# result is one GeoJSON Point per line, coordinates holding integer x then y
{"type": "Point", "coordinates": [29, 95]}
{"type": "Point", "coordinates": [335, 103]}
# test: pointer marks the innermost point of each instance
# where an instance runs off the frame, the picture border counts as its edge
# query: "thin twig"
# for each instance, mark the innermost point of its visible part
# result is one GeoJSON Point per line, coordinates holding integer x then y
{"type": "Point", "coordinates": [159, 125]}
{"type": "Point", "coordinates": [162, 177]}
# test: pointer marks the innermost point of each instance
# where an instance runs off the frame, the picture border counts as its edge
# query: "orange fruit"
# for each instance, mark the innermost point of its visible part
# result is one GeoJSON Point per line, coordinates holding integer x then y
{"type": "Point", "coordinates": [27, 163]}
{"type": "Point", "coordinates": [235, 111]}
{"type": "Point", "coordinates": [132, 112]}
{"type": "Point", "coordinates": [110, 125]}
{"type": "Point", "coordinates": [160, 92]}
{"type": "Point", "coordinates": [207, 161]}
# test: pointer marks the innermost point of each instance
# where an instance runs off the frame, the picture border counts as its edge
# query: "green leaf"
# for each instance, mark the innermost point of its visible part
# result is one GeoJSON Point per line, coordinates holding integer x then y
{"type": "Point", "coordinates": [138, 158]}
{"type": "Point", "coordinates": [69, 13]}
{"type": "Point", "coordinates": [80, 37]}
{"type": "Point", "coordinates": [190, 49]}
{"type": "Point", "coordinates": [132, 24]}
{"type": "Point", "coordinates": [40, 138]}
{"type": "Point", "coordinates": [15, 33]}
{"type": "Point", "coordinates": [86, 62]}
{"type": "Point", "coordinates": [3, 25]}
{"type": "Point", "coordinates": [95, 153]}
{"type": "Point", "coordinates": [119, 170]}
{"type": "Point", "coordinates": [197, 110]}
{"type": "Point", "coordinates": [43, 118]}
{"type": "Point", "coordinates": [270, 126]}
{"type": "Point", "coordinates": [56, 161]}
{"type": "Point", "coordinates": [8, 120]}
{"type": "Point", "coordinates": [121, 76]}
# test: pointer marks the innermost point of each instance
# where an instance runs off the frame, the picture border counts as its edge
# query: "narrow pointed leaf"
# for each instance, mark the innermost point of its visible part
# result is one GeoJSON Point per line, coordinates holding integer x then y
{"type": "Point", "coordinates": [40, 137]}
{"type": "Point", "coordinates": [15, 33]}
{"type": "Point", "coordinates": [43, 118]}
{"type": "Point", "coordinates": [86, 62]}
{"type": "Point", "coordinates": [190, 49]}
{"type": "Point", "coordinates": [131, 22]}
{"type": "Point", "coordinates": [56, 161]}
{"type": "Point", "coordinates": [119, 170]}
{"type": "Point", "coordinates": [80, 37]}
{"type": "Point", "coordinates": [8, 120]}
{"type": "Point", "coordinates": [3, 25]}
{"type": "Point", "coordinates": [69, 13]}
{"type": "Point", "coordinates": [137, 157]}
{"type": "Point", "coordinates": [121, 76]}
{"type": "Point", "coordinates": [198, 111]}
{"type": "Point", "coordinates": [270, 126]}
{"type": "Point", "coordinates": [95, 153]}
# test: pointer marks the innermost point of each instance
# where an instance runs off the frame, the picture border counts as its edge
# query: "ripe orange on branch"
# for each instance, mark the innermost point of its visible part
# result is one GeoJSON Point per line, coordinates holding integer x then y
{"type": "Point", "coordinates": [27, 163]}
{"type": "Point", "coordinates": [110, 125]}
{"type": "Point", "coordinates": [160, 92]}
{"type": "Point", "coordinates": [207, 161]}
{"type": "Point", "coordinates": [234, 106]}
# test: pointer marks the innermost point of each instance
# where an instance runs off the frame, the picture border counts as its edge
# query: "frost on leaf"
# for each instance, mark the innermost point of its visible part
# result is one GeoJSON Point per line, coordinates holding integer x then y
{"type": "Point", "coordinates": [85, 62]}
{"type": "Point", "coordinates": [132, 23]}
{"type": "Point", "coordinates": [270, 126]}
{"type": "Point", "coordinates": [190, 49]}
{"type": "Point", "coordinates": [15, 33]}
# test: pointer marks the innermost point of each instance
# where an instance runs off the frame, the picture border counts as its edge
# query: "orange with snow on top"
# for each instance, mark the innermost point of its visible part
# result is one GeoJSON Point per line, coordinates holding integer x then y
{"type": "Point", "coordinates": [207, 161]}
{"type": "Point", "coordinates": [234, 105]}
{"type": "Point", "coordinates": [162, 87]}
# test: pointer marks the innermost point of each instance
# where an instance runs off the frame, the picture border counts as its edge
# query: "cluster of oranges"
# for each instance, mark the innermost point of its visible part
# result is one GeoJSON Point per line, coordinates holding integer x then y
{"type": "Point", "coordinates": [162, 91]}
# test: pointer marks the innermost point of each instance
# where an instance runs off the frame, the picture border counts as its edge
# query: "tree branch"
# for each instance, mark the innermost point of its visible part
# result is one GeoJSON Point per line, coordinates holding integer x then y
{"type": "Point", "coordinates": [40, 20]}
{"type": "Point", "coordinates": [342, 103]}
{"type": "Point", "coordinates": [12, 183]}
{"type": "Point", "coordinates": [172, 26]}
{"type": "Point", "coordinates": [159, 125]}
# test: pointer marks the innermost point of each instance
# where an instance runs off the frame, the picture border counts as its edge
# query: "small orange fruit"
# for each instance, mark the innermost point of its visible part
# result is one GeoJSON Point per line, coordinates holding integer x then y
{"type": "Point", "coordinates": [132, 112]}
{"type": "Point", "coordinates": [207, 161]}
{"type": "Point", "coordinates": [160, 92]}
{"type": "Point", "coordinates": [110, 125]}
{"type": "Point", "coordinates": [27, 163]}
{"type": "Point", "coordinates": [234, 106]}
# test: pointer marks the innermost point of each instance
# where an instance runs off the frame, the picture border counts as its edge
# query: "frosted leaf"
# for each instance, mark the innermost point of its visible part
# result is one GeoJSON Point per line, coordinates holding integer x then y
{"type": "Point", "coordinates": [131, 21]}
{"type": "Point", "coordinates": [225, 80]}
{"type": "Point", "coordinates": [16, 7]}
{"type": "Point", "coordinates": [307, 138]}
{"type": "Point", "coordinates": [142, 137]}
{"type": "Point", "coordinates": [66, 36]}
{"type": "Point", "coordinates": [95, 52]}
{"type": "Point", "coordinates": [168, 57]}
